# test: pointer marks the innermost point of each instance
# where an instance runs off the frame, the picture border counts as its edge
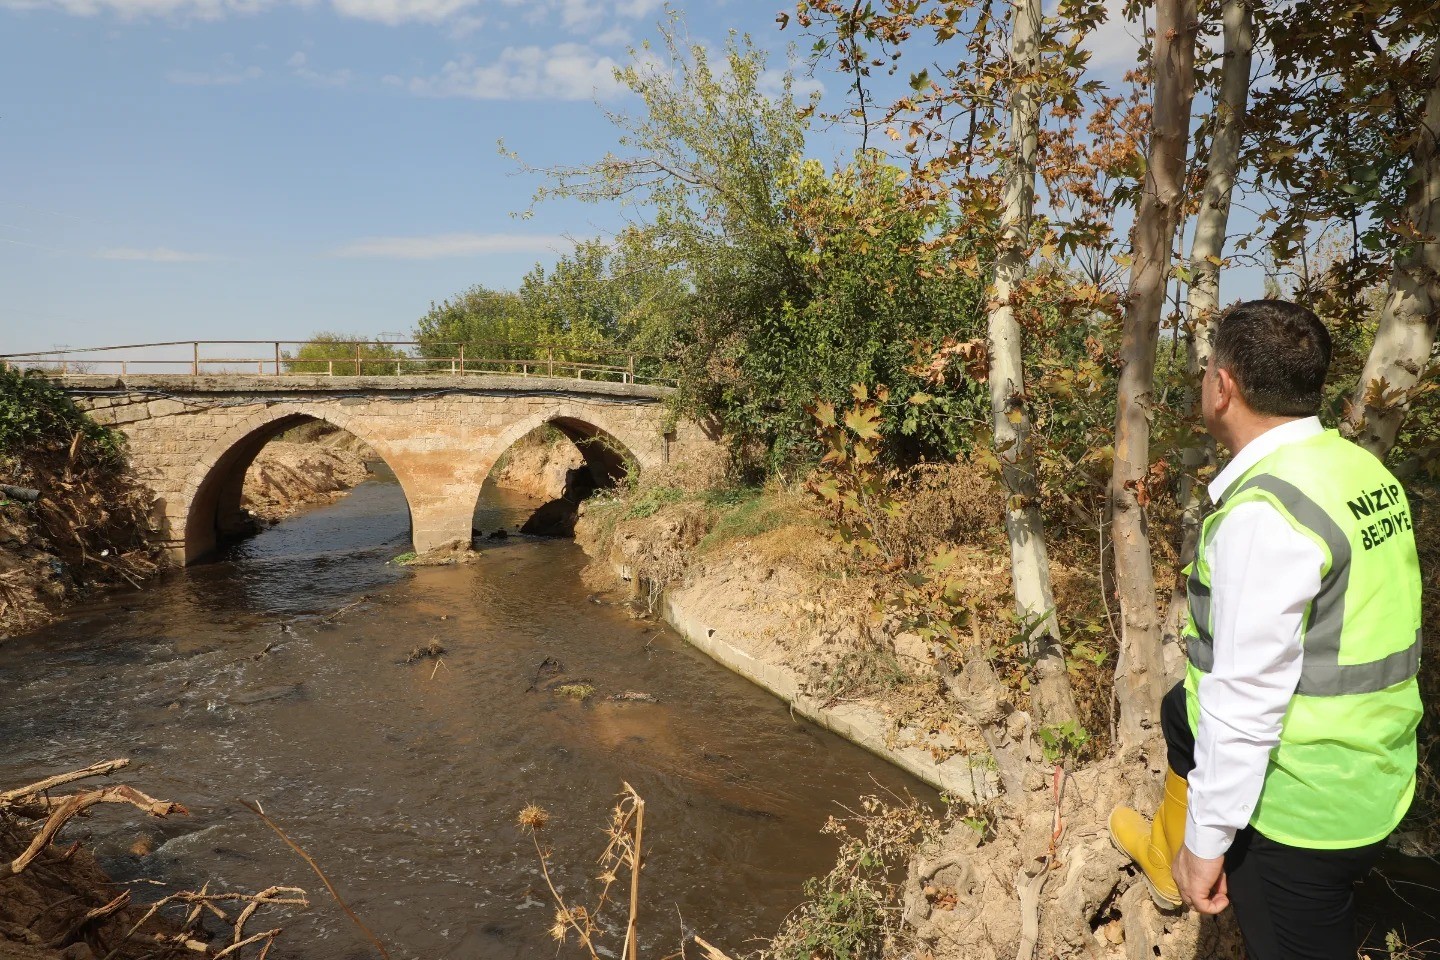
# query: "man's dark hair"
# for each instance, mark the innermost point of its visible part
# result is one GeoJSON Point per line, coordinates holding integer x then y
{"type": "Point", "coordinates": [1277, 352]}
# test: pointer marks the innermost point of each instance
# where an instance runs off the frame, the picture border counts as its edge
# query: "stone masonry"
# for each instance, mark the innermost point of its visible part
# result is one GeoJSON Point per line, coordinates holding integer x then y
{"type": "Point", "coordinates": [192, 438]}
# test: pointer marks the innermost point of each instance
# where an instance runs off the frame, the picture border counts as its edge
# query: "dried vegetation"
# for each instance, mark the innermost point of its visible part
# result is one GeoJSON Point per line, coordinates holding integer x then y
{"type": "Point", "coordinates": [56, 903]}
{"type": "Point", "coordinates": [90, 525]}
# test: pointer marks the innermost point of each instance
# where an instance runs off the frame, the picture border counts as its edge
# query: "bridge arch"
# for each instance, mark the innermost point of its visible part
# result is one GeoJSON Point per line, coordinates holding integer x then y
{"type": "Point", "coordinates": [603, 444]}
{"type": "Point", "coordinates": [209, 503]}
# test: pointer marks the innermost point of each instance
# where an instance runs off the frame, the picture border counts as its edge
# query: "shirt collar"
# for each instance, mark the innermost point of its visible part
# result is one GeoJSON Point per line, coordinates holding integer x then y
{"type": "Point", "coordinates": [1292, 431]}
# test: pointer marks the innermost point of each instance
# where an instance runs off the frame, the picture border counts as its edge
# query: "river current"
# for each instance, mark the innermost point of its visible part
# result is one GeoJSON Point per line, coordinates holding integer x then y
{"type": "Point", "coordinates": [279, 675]}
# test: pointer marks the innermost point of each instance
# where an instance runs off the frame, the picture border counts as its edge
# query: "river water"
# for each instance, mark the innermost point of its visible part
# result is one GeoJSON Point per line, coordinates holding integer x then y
{"type": "Point", "coordinates": [403, 780]}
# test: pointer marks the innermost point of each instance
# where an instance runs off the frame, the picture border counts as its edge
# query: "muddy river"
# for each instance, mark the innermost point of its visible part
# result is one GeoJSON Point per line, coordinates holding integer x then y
{"type": "Point", "coordinates": [404, 779]}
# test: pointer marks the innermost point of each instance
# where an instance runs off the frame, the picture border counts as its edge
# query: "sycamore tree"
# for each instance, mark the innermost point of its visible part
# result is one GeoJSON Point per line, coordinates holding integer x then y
{"type": "Point", "coordinates": [1342, 146]}
{"type": "Point", "coordinates": [1218, 145]}
{"type": "Point", "coordinates": [1000, 105]}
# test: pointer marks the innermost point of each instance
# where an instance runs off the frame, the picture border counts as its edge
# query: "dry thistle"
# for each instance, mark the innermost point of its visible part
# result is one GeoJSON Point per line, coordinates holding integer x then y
{"type": "Point", "coordinates": [533, 817]}
{"type": "Point", "coordinates": [561, 925]}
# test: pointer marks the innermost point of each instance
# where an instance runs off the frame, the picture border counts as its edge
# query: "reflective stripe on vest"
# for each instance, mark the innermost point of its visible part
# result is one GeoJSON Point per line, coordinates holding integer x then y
{"type": "Point", "coordinates": [1321, 674]}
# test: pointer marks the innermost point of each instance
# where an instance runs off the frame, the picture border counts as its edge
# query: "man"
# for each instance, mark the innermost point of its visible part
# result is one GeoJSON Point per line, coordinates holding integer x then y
{"type": "Point", "coordinates": [1291, 741]}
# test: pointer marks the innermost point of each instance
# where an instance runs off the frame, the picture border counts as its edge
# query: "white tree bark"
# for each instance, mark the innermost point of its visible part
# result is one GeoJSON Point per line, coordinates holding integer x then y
{"type": "Point", "coordinates": [1140, 669]}
{"type": "Point", "coordinates": [1406, 334]}
{"type": "Point", "coordinates": [1029, 559]}
{"type": "Point", "coordinates": [1206, 253]}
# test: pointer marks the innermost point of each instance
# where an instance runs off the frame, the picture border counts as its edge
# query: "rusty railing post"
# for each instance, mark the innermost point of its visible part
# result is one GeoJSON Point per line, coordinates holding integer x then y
{"type": "Point", "coordinates": [277, 358]}
{"type": "Point", "coordinates": [357, 359]}
{"type": "Point", "coordinates": [631, 365]}
{"type": "Point", "coordinates": [195, 358]}
{"type": "Point", "coordinates": [462, 358]}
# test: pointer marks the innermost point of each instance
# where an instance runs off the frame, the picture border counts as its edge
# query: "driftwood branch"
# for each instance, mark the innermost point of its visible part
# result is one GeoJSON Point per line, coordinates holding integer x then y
{"type": "Point", "coordinates": [255, 809]}
{"type": "Point", "coordinates": [69, 807]}
{"type": "Point", "coordinates": [712, 952]}
{"type": "Point", "coordinates": [103, 769]}
{"type": "Point", "coordinates": [77, 930]}
{"type": "Point", "coordinates": [204, 900]}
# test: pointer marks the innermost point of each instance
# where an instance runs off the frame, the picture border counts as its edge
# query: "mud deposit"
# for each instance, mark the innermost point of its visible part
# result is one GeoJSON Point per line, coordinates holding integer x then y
{"type": "Point", "coordinates": [404, 778]}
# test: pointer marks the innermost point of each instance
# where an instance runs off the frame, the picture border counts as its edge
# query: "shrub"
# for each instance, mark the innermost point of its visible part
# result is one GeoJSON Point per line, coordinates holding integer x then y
{"type": "Point", "coordinates": [36, 414]}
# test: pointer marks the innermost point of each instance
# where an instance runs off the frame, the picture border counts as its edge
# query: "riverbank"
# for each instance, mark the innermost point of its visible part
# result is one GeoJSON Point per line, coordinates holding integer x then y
{"type": "Point", "coordinates": [761, 582]}
{"type": "Point", "coordinates": [306, 466]}
{"type": "Point", "coordinates": [87, 524]}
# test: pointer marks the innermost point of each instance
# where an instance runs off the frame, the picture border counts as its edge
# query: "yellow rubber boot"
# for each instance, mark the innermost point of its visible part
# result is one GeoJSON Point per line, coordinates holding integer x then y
{"type": "Point", "coordinates": [1153, 845]}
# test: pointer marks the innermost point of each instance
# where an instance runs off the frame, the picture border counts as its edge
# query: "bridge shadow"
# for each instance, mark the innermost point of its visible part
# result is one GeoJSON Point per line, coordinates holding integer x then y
{"type": "Point", "coordinates": [557, 466]}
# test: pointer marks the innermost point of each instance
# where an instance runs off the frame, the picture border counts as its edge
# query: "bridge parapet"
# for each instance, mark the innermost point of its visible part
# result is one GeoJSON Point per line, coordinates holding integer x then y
{"type": "Point", "coordinates": [350, 358]}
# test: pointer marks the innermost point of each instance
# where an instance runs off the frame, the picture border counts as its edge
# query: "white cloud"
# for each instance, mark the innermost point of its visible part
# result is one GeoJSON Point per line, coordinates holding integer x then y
{"type": "Point", "coordinates": [135, 9]}
{"type": "Point", "coordinates": [226, 73]}
{"type": "Point", "coordinates": [156, 255]}
{"type": "Point", "coordinates": [638, 8]}
{"type": "Point", "coordinates": [1117, 41]}
{"type": "Point", "coordinates": [616, 36]}
{"type": "Point", "coordinates": [299, 65]}
{"type": "Point", "coordinates": [566, 71]}
{"type": "Point", "coordinates": [392, 12]}
{"type": "Point", "coordinates": [452, 245]}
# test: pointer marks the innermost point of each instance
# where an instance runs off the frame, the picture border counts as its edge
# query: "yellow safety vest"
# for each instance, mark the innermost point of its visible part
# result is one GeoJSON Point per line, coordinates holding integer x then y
{"type": "Point", "coordinates": [1343, 774]}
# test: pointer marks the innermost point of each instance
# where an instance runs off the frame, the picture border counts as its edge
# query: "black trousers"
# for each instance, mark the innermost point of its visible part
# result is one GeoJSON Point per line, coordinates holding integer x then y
{"type": "Point", "coordinates": [1291, 903]}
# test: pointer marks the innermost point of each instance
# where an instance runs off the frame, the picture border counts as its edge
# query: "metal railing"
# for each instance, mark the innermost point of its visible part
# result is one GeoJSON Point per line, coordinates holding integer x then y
{"type": "Point", "coordinates": [339, 358]}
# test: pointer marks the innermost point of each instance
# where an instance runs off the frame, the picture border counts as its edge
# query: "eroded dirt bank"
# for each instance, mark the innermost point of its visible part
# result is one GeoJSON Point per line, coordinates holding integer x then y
{"type": "Point", "coordinates": [766, 591]}
{"type": "Point", "coordinates": [73, 518]}
{"type": "Point", "coordinates": [1021, 863]}
{"type": "Point", "coordinates": [309, 465]}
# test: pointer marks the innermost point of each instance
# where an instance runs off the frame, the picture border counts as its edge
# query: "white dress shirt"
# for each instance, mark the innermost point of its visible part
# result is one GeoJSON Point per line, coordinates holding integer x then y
{"type": "Point", "coordinates": [1263, 576]}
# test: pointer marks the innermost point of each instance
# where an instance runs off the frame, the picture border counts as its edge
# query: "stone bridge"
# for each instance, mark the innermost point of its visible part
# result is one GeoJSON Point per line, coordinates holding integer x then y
{"type": "Point", "coordinates": [192, 438]}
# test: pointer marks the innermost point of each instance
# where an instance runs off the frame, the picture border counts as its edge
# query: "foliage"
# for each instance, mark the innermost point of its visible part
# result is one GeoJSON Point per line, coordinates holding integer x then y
{"type": "Point", "coordinates": [849, 913]}
{"type": "Point", "coordinates": [772, 281]}
{"type": "Point", "coordinates": [579, 692]}
{"type": "Point", "coordinates": [37, 414]}
{"type": "Point", "coordinates": [744, 513]}
{"type": "Point", "coordinates": [597, 304]}
{"type": "Point", "coordinates": [1062, 742]}
{"type": "Point", "coordinates": [854, 482]}
{"type": "Point", "coordinates": [488, 322]}
{"type": "Point", "coordinates": [1329, 139]}
{"type": "Point", "coordinates": [345, 355]}
{"type": "Point", "coordinates": [651, 500]}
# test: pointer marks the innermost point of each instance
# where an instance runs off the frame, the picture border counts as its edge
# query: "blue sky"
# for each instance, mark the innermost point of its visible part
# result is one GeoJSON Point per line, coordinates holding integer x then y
{"type": "Point", "coordinates": [212, 169]}
{"type": "Point", "coordinates": [173, 169]}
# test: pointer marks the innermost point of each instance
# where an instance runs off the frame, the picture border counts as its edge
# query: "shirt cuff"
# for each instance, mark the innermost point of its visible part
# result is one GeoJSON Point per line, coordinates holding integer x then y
{"type": "Point", "coordinates": [1208, 843]}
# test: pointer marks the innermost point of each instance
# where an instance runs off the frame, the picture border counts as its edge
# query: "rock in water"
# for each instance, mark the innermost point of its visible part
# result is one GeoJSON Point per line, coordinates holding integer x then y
{"type": "Point", "coordinates": [268, 693]}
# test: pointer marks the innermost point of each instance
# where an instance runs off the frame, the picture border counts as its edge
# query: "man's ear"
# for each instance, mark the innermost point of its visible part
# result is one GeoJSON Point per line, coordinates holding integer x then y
{"type": "Point", "coordinates": [1226, 390]}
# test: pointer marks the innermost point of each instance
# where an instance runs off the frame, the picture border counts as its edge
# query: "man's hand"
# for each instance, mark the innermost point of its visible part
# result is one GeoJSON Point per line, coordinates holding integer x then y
{"type": "Point", "coordinates": [1201, 882]}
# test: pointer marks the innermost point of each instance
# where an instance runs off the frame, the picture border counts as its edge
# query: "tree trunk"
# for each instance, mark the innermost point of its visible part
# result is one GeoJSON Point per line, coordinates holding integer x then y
{"type": "Point", "coordinates": [1029, 559]}
{"type": "Point", "coordinates": [1406, 335]}
{"type": "Point", "coordinates": [1205, 256]}
{"type": "Point", "coordinates": [1140, 671]}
